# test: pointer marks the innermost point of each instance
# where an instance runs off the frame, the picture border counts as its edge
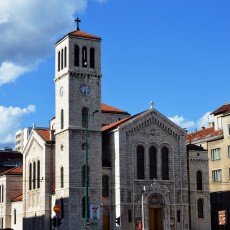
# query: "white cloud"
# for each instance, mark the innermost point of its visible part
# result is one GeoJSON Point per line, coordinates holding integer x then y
{"type": "Point", "coordinates": [10, 118]}
{"type": "Point", "coordinates": [192, 125]}
{"type": "Point", "coordinates": [29, 31]}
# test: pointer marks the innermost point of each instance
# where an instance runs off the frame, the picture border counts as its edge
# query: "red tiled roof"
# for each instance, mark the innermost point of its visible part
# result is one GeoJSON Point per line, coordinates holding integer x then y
{"type": "Point", "coordinates": [12, 171]}
{"type": "Point", "coordinates": [109, 109]}
{"type": "Point", "coordinates": [18, 198]}
{"type": "Point", "coordinates": [79, 33]}
{"type": "Point", "coordinates": [203, 135]}
{"type": "Point", "coordinates": [223, 109]}
{"type": "Point", "coordinates": [44, 133]}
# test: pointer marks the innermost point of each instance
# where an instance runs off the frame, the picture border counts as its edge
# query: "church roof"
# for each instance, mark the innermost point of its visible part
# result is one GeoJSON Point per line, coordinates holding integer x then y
{"type": "Point", "coordinates": [44, 133]}
{"type": "Point", "coordinates": [203, 135]}
{"type": "Point", "coordinates": [18, 198]}
{"type": "Point", "coordinates": [110, 109]}
{"type": "Point", "coordinates": [224, 109]}
{"type": "Point", "coordinates": [13, 171]}
{"type": "Point", "coordinates": [79, 33]}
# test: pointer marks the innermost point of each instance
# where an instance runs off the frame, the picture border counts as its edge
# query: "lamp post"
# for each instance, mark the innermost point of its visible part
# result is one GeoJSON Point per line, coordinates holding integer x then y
{"type": "Point", "coordinates": [142, 207]}
{"type": "Point", "coordinates": [91, 113]}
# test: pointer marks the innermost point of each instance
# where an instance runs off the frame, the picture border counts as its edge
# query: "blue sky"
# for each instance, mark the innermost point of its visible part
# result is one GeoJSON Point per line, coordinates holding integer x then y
{"type": "Point", "coordinates": [173, 52]}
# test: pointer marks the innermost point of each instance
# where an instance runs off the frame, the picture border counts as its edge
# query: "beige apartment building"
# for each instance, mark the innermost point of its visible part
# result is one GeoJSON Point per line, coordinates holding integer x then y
{"type": "Point", "coordinates": [216, 139]}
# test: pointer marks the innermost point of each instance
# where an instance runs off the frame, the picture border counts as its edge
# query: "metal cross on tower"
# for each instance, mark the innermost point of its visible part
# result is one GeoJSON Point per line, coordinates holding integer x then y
{"type": "Point", "coordinates": [78, 21]}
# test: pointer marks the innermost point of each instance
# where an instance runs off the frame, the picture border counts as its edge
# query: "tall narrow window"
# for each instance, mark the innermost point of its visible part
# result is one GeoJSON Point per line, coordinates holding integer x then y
{"type": "Point", "coordinates": [62, 59]}
{"type": "Point", "coordinates": [165, 163]}
{"type": "Point", "coordinates": [59, 60]}
{"type": "Point", "coordinates": [38, 174]}
{"type": "Point", "coordinates": [15, 216]}
{"type": "Point", "coordinates": [2, 193]}
{"type": "Point", "coordinates": [84, 57]}
{"type": "Point", "coordinates": [92, 58]}
{"type": "Point", "coordinates": [140, 162]}
{"type": "Point", "coordinates": [65, 57]}
{"type": "Point", "coordinates": [34, 175]}
{"type": "Point", "coordinates": [84, 179]}
{"type": "Point", "coordinates": [62, 177]}
{"type": "Point", "coordinates": [83, 207]}
{"type": "Point", "coordinates": [219, 123]}
{"type": "Point", "coordinates": [200, 207]}
{"type": "Point", "coordinates": [62, 119]}
{"type": "Point", "coordinates": [62, 208]}
{"type": "Point", "coordinates": [76, 55]}
{"type": "Point", "coordinates": [178, 215]}
{"type": "Point", "coordinates": [152, 162]}
{"type": "Point", "coordinates": [30, 176]}
{"type": "Point", "coordinates": [85, 117]}
{"type": "Point", "coordinates": [199, 180]}
{"type": "Point", "coordinates": [105, 186]}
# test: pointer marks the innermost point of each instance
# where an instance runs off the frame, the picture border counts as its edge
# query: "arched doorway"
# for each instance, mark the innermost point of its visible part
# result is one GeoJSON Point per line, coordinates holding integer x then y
{"type": "Point", "coordinates": [156, 204]}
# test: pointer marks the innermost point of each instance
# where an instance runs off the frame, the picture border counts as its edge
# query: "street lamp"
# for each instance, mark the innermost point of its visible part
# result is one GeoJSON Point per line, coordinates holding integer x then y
{"type": "Point", "coordinates": [91, 113]}
{"type": "Point", "coordinates": [142, 207]}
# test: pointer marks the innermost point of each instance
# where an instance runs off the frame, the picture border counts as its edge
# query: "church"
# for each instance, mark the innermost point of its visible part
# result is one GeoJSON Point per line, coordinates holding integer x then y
{"type": "Point", "coordinates": [98, 167]}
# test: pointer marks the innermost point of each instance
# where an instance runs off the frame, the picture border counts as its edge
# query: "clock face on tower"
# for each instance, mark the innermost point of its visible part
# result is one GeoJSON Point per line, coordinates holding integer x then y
{"type": "Point", "coordinates": [61, 92]}
{"type": "Point", "coordinates": [84, 89]}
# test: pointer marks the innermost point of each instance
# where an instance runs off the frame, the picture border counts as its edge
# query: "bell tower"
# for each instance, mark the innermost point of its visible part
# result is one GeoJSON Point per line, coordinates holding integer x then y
{"type": "Point", "coordinates": [78, 125]}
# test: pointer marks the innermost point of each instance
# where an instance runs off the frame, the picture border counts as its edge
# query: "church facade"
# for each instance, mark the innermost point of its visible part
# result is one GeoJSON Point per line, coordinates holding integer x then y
{"type": "Point", "coordinates": [100, 167]}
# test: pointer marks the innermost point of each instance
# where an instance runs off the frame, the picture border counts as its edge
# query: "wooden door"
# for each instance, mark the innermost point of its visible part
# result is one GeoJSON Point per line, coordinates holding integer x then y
{"type": "Point", "coordinates": [155, 219]}
{"type": "Point", "coordinates": [106, 223]}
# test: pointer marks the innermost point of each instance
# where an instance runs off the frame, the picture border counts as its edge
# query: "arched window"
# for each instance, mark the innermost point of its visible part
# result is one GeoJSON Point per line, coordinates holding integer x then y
{"type": "Point", "coordinates": [34, 175]}
{"type": "Point", "coordinates": [65, 57]}
{"type": "Point", "coordinates": [30, 176]}
{"type": "Point", "coordinates": [165, 163]}
{"type": "Point", "coordinates": [199, 180]}
{"type": "Point", "coordinates": [152, 162]}
{"type": "Point", "coordinates": [200, 208]}
{"type": "Point", "coordinates": [76, 55]}
{"type": "Point", "coordinates": [38, 174]}
{"type": "Point", "coordinates": [15, 216]}
{"type": "Point", "coordinates": [62, 177]}
{"type": "Point", "coordinates": [83, 175]}
{"type": "Point", "coordinates": [140, 162]}
{"type": "Point", "coordinates": [62, 119]}
{"type": "Point", "coordinates": [62, 59]}
{"type": "Point", "coordinates": [84, 57]}
{"type": "Point", "coordinates": [85, 117]}
{"type": "Point", "coordinates": [105, 186]}
{"type": "Point", "coordinates": [83, 207]}
{"type": "Point", "coordinates": [59, 60]}
{"type": "Point", "coordinates": [92, 58]}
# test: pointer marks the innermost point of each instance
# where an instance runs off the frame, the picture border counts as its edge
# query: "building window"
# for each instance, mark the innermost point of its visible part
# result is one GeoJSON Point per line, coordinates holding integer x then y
{"type": "Point", "coordinates": [229, 151]}
{"type": "Point", "coordinates": [165, 163]}
{"type": "Point", "coordinates": [92, 58]}
{"type": "Point", "coordinates": [2, 193]}
{"type": "Point", "coordinates": [83, 175]}
{"type": "Point", "coordinates": [200, 204]}
{"type": "Point", "coordinates": [62, 55]}
{"type": "Point", "coordinates": [199, 180]}
{"type": "Point", "coordinates": [229, 129]}
{"type": "Point", "coordinates": [219, 122]}
{"type": "Point", "coordinates": [105, 186]}
{"type": "Point", "coordinates": [30, 176]}
{"type": "Point", "coordinates": [85, 112]}
{"type": "Point", "coordinates": [38, 174]}
{"type": "Point", "coordinates": [62, 177]}
{"type": "Point", "coordinates": [59, 60]}
{"type": "Point", "coordinates": [217, 175]}
{"type": "Point", "coordinates": [140, 162]}
{"type": "Point", "coordinates": [152, 163]}
{"type": "Point", "coordinates": [76, 55]}
{"type": "Point", "coordinates": [84, 57]}
{"type": "Point", "coordinates": [34, 175]}
{"type": "Point", "coordinates": [15, 216]}
{"type": "Point", "coordinates": [83, 207]}
{"type": "Point", "coordinates": [62, 119]}
{"type": "Point", "coordinates": [62, 207]}
{"type": "Point", "coordinates": [178, 215]}
{"type": "Point", "coordinates": [130, 215]}
{"type": "Point", "coordinates": [215, 154]}
{"type": "Point", "coordinates": [65, 57]}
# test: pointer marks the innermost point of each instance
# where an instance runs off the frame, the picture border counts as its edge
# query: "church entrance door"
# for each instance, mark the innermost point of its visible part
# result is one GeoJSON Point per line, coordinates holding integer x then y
{"type": "Point", "coordinates": [155, 218]}
{"type": "Point", "coordinates": [106, 222]}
